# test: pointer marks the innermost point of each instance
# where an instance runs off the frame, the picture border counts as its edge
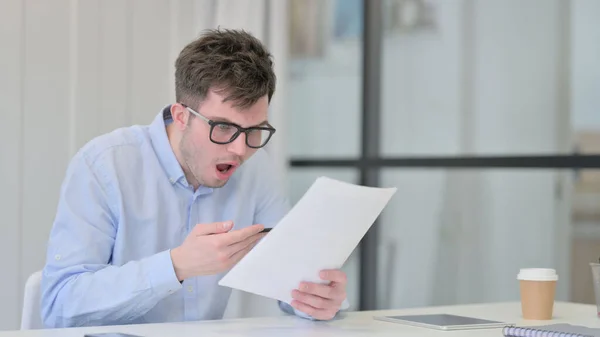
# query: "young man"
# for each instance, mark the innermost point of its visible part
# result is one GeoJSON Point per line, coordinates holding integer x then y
{"type": "Point", "coordinates": [151, 217]}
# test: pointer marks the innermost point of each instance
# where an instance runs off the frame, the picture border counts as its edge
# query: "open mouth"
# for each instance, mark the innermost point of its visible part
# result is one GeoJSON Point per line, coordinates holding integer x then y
{"type": "Point", "coordinates": [224, 168]}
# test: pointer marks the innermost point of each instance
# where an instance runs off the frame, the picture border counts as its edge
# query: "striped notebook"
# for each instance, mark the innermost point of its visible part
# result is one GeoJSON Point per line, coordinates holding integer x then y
{"type": "Point", "coordinates": [554, 330]}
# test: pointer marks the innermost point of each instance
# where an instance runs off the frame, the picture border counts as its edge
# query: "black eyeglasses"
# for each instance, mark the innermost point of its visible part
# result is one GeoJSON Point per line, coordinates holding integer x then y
{"type": "Point", "coordinates": [225, 132]}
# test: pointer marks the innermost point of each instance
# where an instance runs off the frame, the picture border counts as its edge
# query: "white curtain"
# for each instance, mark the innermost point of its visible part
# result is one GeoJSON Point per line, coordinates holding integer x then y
{"type": "Point", "coordinates": [268, 21]}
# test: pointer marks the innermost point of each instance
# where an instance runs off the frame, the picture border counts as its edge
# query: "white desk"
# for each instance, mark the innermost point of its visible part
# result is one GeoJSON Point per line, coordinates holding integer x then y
{"type": "Point", "coordinates": [349, 324]}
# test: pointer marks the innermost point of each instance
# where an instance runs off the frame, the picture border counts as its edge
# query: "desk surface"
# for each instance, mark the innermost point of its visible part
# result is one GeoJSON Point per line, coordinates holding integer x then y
{"type": "Point", "coordinates": [349, 324]}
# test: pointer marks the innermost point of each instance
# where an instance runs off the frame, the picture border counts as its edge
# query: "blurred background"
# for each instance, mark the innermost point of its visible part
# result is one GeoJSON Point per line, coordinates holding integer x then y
{"type": "Point", "coordinates": [417, 86]}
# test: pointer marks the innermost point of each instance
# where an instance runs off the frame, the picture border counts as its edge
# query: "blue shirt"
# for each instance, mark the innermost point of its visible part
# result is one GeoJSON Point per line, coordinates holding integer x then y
{"type": "Point", "coordinates": [124, 204]}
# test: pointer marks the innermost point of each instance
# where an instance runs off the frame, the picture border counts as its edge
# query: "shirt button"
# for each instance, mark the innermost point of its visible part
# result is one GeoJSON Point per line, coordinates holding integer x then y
{"type": "Point", "coordinates": [57, 257]}
{"type": "Point", "coordinates": [172, 180]}
{"type": "Point", "coordinates": [190, 289]}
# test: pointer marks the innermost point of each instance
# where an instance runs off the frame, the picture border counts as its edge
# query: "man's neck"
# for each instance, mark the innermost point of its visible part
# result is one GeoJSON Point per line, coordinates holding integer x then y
{"type": "Point", "coordinates": [189, 176]}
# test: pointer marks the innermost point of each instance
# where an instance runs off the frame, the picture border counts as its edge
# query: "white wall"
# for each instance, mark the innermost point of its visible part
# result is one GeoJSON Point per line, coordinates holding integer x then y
{"type": "Point", "coordinates": [72, 70]}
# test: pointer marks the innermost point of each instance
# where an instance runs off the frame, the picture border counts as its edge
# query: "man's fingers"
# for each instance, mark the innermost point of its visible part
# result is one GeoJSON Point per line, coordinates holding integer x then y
{"type": "Point", "coordinates": [236, 257]}
{"type": "Point", "coordinates": [239, 235]}
{"type": "Point", "coordinates": [248, 242]}
{"type": "Point", "coordinates": [334, 291]}
{"type": "Point", "coordinates": [321, 301]}
{"type": "Point", "coordinates": [212, 228]}
{"type": "Point", "coordinates": [314, 300]}
{"type": "Point", "coordinates": [333, 275]}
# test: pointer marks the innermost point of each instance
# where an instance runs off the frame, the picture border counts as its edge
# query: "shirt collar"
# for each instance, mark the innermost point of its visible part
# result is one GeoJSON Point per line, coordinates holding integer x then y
{"type": "Point", "coordinates": [162, 147]}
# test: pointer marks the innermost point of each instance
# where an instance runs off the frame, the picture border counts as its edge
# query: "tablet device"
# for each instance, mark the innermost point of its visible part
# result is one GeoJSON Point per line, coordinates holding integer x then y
{"type": "Point", "coordinates": [443, 321]}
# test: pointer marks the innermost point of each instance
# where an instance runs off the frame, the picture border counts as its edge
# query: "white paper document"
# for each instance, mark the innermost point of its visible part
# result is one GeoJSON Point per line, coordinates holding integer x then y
{"type": "Point", "coordinates": [320, 232]}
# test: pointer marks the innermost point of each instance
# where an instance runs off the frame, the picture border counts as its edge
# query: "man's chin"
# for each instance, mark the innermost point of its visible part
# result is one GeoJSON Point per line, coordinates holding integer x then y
{"type": "Point", "coordinates": [216, 183]}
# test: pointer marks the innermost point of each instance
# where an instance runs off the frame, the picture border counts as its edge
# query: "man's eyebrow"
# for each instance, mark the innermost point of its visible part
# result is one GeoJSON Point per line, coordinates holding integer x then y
{"type": "Point", "coordinates": [263, 123]}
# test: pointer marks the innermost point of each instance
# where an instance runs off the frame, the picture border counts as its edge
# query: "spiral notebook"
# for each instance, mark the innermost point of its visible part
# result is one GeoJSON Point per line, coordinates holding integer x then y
{"type": "Point", "coordinates": [562, 330]}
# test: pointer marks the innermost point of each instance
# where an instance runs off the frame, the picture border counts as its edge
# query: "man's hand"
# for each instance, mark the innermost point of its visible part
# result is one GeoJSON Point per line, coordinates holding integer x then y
{"type": "Point", "coordinates": [211, 249]}
{"type": "Point", "coordinates": [321, 301]}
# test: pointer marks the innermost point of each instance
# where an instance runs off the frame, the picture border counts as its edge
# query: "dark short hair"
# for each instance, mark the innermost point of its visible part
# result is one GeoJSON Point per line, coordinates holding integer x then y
{"type": "Point", "coordinates": [232, 62]}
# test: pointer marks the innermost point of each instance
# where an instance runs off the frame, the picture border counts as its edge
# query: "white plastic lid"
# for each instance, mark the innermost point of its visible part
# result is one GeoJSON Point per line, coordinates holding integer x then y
{"type": "Point", "coordinates": [537, 274]}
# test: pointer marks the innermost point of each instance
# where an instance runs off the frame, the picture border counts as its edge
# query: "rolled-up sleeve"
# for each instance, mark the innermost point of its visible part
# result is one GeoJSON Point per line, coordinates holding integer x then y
{"type": "Point", "coordinates": [79, 285]}
{"type": "Point", "coordinates": [292, 311]}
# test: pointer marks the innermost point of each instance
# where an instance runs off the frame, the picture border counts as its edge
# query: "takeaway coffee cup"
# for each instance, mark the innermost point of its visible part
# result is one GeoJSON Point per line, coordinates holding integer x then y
{"type": "Point", "coordinates": [538, 287]}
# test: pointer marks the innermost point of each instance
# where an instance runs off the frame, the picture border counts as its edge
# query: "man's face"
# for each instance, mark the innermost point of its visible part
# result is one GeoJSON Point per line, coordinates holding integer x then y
{"type": "Point", "coordinates": [211, 164]}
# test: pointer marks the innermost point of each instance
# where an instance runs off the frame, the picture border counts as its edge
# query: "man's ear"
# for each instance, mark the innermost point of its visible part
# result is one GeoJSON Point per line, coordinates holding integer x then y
{"type": "Point", "coordinates": [180, 116]}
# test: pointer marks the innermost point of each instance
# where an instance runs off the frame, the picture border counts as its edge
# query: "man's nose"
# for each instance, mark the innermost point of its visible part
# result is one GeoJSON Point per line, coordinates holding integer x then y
{"type": "Point", "coordinates": [238, 146]}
